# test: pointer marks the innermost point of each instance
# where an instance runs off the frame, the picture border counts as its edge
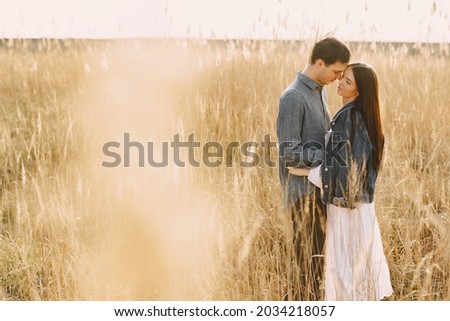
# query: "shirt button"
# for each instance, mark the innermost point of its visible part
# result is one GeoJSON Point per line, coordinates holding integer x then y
{"type": "Point", "coordinates": [326, 186]}
{"type": "Point", "coordinates": [326, 169]}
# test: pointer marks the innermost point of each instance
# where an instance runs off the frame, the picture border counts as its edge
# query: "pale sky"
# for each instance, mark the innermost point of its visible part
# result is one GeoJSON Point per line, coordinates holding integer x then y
{"type": "Point", "coordinates": [405, 20]}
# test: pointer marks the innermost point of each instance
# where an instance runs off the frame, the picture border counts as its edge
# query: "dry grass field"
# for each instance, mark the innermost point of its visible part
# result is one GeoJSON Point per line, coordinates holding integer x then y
{"type": "Point", "coordinates": [72, 229]}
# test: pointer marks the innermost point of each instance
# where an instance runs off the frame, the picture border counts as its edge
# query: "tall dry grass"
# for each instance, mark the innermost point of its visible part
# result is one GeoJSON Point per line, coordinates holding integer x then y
{"type": "Point", "coordinates": [72, 229]}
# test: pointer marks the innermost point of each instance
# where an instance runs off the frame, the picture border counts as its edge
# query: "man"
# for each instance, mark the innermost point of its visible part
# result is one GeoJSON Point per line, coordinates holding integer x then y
{"type": "Point", "coordinates": [303, 120]}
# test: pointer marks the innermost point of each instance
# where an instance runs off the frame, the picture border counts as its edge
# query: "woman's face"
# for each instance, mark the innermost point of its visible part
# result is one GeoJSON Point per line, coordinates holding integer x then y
{"type": "Point", "coordinates": [347, 85]}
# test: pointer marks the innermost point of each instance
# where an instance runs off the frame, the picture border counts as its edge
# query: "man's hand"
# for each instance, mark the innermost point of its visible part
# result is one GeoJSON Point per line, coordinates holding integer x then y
{"type": "Point", "coordinates": [298, 171]}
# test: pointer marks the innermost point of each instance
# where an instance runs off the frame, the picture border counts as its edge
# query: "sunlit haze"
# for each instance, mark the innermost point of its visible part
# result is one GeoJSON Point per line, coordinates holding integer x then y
{"type": "Point", "coordinates": [370, 20]}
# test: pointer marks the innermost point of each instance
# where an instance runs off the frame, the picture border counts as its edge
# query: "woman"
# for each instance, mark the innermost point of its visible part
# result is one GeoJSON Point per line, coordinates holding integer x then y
{"type": "Point", "coordinates": [356, 268]}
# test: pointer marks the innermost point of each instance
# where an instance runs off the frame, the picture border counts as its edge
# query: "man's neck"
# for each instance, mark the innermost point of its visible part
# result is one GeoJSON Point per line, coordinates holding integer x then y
{"type": "Point", "coordinates": [310, 73]}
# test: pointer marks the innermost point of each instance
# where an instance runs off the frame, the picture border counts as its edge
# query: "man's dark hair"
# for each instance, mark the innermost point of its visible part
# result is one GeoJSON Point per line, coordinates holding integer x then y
{"type": "Point", "coordinates": [330, 50]}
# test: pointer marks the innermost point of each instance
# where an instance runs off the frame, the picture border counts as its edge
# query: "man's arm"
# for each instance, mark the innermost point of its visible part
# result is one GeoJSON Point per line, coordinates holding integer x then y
{"type": "Point", "coordinates": [293, 151]}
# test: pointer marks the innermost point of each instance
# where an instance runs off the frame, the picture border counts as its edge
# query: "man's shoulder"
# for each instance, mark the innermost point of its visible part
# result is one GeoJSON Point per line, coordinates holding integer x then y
{"type": "Point", "coordinates": [295, 91]}
{"type": "Point", "coordinates": [292, 98]}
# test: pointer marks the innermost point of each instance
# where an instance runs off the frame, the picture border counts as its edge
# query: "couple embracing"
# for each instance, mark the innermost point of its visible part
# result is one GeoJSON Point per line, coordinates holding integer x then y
{"type": "Point", "coordinates": [328, 170]}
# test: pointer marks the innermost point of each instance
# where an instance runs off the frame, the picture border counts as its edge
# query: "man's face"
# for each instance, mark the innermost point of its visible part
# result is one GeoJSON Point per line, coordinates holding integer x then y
{"type": "Point", "coordinates": [328, 74]}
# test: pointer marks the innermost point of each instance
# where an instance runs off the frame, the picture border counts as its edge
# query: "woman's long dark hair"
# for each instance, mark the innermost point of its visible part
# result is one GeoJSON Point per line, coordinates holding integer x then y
{"type": "Point", "coordinates": [368, 103]}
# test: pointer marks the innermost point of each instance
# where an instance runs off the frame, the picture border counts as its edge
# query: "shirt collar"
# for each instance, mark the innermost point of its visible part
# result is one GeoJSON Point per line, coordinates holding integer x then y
{"type": "Point", "coordinates": [351, 104]}
{"type": "Point", "coordinates": [308, 81]}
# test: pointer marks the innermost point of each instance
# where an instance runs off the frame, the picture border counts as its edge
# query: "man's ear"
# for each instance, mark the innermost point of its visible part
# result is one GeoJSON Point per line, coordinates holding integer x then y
{"type": "Point", "coordinates": [319, 63]}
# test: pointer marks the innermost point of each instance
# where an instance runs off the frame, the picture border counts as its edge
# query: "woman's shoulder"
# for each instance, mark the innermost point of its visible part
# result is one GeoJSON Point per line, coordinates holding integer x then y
{"type": "Point", "coordinates": [357, 115]}
{"type": "Point", "coordinates": [350, 116]}
{"type": "Point", "coordinates": [344, 112]}
{"type": "Point", "coordinates": [358, 122]}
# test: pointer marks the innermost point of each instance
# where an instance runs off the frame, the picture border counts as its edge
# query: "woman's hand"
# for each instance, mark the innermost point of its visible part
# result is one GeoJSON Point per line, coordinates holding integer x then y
{"type": "Point", "coordinates": [298, 171]}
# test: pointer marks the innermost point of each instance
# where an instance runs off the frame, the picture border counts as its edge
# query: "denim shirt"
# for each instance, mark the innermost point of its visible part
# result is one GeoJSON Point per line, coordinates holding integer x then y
{"type": "Point", "coordinates": [302, 122]}
{"type": "Point", "coordinates": [348, 176]}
